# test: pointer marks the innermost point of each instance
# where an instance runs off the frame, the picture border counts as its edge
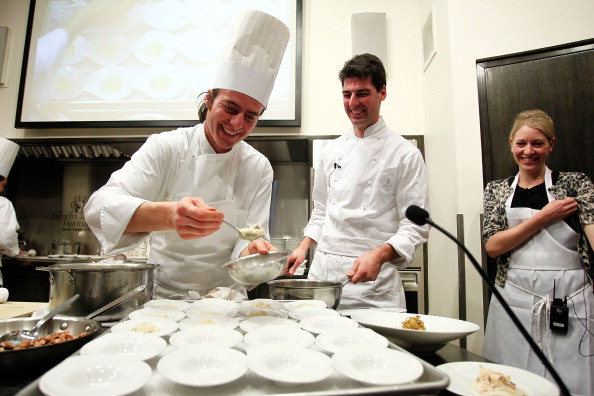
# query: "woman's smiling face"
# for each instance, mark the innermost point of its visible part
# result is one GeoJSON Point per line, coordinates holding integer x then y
{"type": "Point", "coordinates": [531, 148]}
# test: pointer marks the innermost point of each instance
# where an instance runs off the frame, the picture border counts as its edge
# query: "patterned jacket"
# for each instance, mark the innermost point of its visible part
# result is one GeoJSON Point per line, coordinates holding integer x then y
{"type": "Point", "coordinates": [568, 184]}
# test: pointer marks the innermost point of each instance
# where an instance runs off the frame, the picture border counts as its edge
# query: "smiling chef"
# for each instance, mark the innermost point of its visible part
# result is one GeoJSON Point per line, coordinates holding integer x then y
{"type": "Point", "coordinates": [179, 185]}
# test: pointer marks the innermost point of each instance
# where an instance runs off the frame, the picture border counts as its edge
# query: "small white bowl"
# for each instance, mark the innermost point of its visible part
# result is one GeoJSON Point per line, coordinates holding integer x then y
{"type": "Point", "coordinates": [152, 312]}
{"type": "Point", "coordinates": [289, 306]}
{"type": "Point", "coordinates": [155, 326]}
{"type": "Point", "coordinates": [205, 309]}
{"type": "Point", "coordinates": [203, 366]}
{"type": "Point", "coordinates": [136, 345]}
{"type": "Point", "coordinates": [323, 323]}
{"type": "Point", "coordinates": [248, 312]}
{"type": "Point", "coordinates": [214, 335]}
{"type": "Point", "coordinates": [208, 320]}
{"type": "Point", "coordinates": [333, 341]}
{"type": "Point", "coordinates": [288, 365]}
{"type": "Point", "coordinates": [266, 303]}
{"type": "Point", "coordinates": [308, 312]}
{"type": "Point", "coordinates": [377, 366]}
{"type": "Point", "coordinates": [176, 305]}
{"type": "Point", "coordinates": [215, 301]}
{"type": "Point", "coordinates": [260, 321]}
{"type": "Point", "coordinates": [278, 335]}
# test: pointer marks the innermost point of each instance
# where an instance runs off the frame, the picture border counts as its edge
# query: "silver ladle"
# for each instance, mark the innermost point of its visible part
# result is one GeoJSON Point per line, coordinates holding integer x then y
{"type": "Point", "coordinates": [17, 336]}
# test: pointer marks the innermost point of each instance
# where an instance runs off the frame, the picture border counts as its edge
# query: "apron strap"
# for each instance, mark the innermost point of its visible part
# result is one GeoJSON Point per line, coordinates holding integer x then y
{"type": "Point", "coordinates": [186, 164]}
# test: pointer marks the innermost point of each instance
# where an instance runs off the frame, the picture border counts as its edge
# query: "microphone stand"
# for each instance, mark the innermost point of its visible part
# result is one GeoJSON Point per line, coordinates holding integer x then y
{"type": "Point", "coordinates": [505, 306]}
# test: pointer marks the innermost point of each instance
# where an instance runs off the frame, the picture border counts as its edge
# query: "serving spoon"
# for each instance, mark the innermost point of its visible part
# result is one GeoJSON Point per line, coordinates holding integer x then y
{"type": "Point", "coordinates": [16, 336]}
{"type": "Point", "coordinates": [247, 233]}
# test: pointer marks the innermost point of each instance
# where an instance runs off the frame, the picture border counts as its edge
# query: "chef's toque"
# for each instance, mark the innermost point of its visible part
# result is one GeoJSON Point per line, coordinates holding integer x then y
{"type": "Point", "coordinates": [253, 55]}
{"type": "Point", "coordinates": [8, 152]}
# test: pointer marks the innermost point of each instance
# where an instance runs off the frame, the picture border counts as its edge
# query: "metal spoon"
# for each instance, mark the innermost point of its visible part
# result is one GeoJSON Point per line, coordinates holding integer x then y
{"type": "Point", "coordinates": [117, 301]}
{"type": "Point", "coordinates": [30, 335]}
{"type": "Point", "coordinates": [241, 234]}
{"type": "Point", "coordinates": [345, 282]}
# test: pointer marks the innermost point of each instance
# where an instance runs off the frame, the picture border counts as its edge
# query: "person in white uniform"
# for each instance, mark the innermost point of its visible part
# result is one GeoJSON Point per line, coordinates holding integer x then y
{"type": "Point", "coordinates": [539, 225]}
{"type": "Point", "coordinates": [181, 184]}
{"type": "Point", "coordinates": [364, 182]}
{"type": "Point", "coordinates": [9, 238]}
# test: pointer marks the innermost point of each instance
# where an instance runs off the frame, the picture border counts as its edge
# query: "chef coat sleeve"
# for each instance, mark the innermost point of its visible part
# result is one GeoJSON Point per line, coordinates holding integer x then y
{"type": "Point", "coordinates": [145, 177]}
{"type": "Point", "coordinates": [412, 190]}
{"type": "Point", "coordinates": [9, 239]}
{"type": "Point", "coordinates": [319, 196]}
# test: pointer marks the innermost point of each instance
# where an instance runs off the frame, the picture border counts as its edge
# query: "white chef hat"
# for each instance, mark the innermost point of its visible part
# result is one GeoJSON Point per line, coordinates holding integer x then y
{"type": "Point", "coordinates": [8, 152]}
{"type": "Point", "coordinates": [253, 55]}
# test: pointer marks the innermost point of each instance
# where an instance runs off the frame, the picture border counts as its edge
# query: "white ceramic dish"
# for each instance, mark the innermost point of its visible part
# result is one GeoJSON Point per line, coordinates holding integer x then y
{"type": "Point", "coordinates": [135, 345]}
{"type": "Point", "coordinates": [257, 322]}
{"type": "Point", "coordinates": [205, 309]}
{"type": "Point", "coordinates": [440, 330]}
{"type": "Point", "coordinates": [290, 305]}
{"type": "Point", "coordinates": [377, 365]}
{"type": "Point", "coordinates": [462, 374]}
{"type": "Point", "coordinates": [249, 312]}
{"type": "Point", "coordinates": [95, 375]}
{"type": "Point", "coordinates": [164, 303]}
{"type": "Point", "coordinates": [206, 320]}
{"type": "Point", "coordinates": [261, 303]}
{"type": "Point", "coordinates": [215, 301]}
{"type": "Point", "coordinates": [289, 365]}
{"type": "Point", "coordinates": [307, 312]}
{"type": "Point", "coordinates": [203, 366]}
{"type": "Point", "coordinates": [335, 340]}
{"type": "Point", "coordinates": [323, 323]}
{"type": "Point", "coordinates": [213, 335]}
{"type": "Point", "coordinates": [153, 312]}
{"type": "Point", "coordinates": [155, 326]}
{"type": "Point", "coordinates": [278, 335]}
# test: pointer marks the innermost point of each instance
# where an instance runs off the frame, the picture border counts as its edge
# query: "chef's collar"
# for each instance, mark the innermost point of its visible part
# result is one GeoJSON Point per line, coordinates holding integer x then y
{"type": "Point", "coordinates": [371, 130]}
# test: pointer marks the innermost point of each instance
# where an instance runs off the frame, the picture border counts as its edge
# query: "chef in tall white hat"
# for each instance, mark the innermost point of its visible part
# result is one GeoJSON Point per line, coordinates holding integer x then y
{"type": "Point", "coordinates": [181, 184]}
{"type": "Point", "coordinates": [9, 239]}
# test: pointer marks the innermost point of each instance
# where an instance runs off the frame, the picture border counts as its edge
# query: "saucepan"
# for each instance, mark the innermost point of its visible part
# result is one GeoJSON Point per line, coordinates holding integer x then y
{"type": "Point", "coordinates": [306, 289]}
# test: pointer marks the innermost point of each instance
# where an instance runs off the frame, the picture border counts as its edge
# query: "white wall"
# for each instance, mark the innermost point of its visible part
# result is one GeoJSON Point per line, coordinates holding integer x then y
{"type": "Point", "coordinates": [440, 103]}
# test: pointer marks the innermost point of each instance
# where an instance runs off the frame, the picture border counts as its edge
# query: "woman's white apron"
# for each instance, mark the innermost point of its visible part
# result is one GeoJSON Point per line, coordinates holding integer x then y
{"type": "Point", "coordinates": [191, 268]}
{"type": "Point", "coordinates": [547, 261]}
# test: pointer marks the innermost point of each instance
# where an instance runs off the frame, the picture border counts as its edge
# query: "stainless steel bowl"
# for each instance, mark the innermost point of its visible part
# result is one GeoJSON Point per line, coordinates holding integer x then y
{"type": "Point", "coordinates": [257, 268]}
{"type": "Point", "coordinates": [306, 289]}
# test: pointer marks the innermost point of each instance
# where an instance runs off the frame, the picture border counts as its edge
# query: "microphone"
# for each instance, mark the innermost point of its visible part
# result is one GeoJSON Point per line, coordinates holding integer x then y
{"type": "Point", "coordinates": [420, 216]}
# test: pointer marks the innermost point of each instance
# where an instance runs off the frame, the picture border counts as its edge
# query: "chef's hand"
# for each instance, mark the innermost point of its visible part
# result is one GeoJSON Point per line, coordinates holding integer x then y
{"type": "Point", "coordinates": [294, 260]}
{"type": "Point", "coordinates": [368, 265]}
{"type": "Point", "coordinates": [192, 218]}
{"type": "Point", "coordinates": [261, 246]}
{"type": "Point", "coordinates": [559, 209]}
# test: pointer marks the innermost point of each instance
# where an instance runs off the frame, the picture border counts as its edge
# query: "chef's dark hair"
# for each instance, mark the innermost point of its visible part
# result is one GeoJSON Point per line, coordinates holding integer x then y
{"type": "Point", "coordinates": [363, 66]}
{"type": "Point", "coordinates": [202, 107]}
{"type": "Point", "coordinates": [1, 178]}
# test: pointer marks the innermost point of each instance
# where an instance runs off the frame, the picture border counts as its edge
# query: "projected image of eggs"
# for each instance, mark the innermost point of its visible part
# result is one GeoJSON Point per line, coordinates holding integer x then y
{"type": "Point", "coordinates": [162, 81]}
{"type": "Point", "coordinates": [66, 83]}
{"type": "Point", "coordinates": [106, 49]}
{"type": "Point", "coordinates": [110, 83]}
{"type": "Point", "coordinates": [155, 47]}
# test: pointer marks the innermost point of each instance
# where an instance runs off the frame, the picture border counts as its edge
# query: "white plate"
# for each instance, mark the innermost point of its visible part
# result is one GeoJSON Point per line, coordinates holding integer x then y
{"type": "Point", "coordinates": [214, 335]}
{"type": "Point", "coordinates": [261, 303]}
{"type": "Point", "coordinates": [215, 301]}
{"type": "Point", "coordinates": [95, 375]}
{"type": "Point", "coordinates": [206, 320]}
{"type": "Point", "coordinates": [304, 303]}
{"type": "Point", "coordinates": [257, 322]}
{"type": "Point", "coordinates": [350, 312]}
{"type": "Point", "coordinates": [135, 345]}
{"type": "Point", "coordinates": [462, 374]}
{"type": "Point", "coordinates": [155, 326]}
{"type": "Point", "coordinates": [307, 312]}
{"type": "Point", "coordinates": [279, 335]}
{"type": "Point", "coordinates": [289, 365]}
{"type": "Point", "coordinates": [377, 365]}
{"type": "Point", "coordinates": [249, 312]}
{"type": "Point", "coordinates": [164, 303]}
{"type": "Point", "coordinates": [153, 312]}
{"type": "Point", "coordinates": [205, 309]}
{"type": "Point", "coordinates": [440, 330]}
{"type": "Point", "coordinates": [333, 341]}
{"type": "Point", "coordinates": [203, 366]}
{"type": "Point", "coordinates": [323, 323]}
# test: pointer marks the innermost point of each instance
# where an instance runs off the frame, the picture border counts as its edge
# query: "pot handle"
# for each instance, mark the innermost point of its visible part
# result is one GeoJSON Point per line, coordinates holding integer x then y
{"type": "Point", "coordinates": [117, 301]}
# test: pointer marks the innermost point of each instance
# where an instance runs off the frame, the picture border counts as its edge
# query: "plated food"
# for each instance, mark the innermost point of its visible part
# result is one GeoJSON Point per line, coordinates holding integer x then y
{"type": "Point", "coordinates": [154, 326]}
{"type": "Point", "coordinates": [154, 312]}
{"type": "Point", "coordinates": [206, 320]}
{"type": "Point", "coordinates": [414, 323]}
{"type": "Point", "coordinates": [176, 305]}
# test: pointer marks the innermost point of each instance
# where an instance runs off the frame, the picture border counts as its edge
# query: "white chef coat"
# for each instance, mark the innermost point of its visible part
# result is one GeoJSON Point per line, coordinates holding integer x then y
{"type": "Point", "coordinates": [548, 259]}
{"type": "Point", "coordinates": [9, 239]}
{"type": "Point", "coordinates": [362, 189]}
{"type": "Point", "coordinates": [239, 183]}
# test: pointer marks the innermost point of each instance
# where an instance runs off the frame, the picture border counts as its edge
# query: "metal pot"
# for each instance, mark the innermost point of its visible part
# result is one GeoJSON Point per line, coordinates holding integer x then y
{"type": "Point", "coordinates": [32, 361]}
{"type": "Point", "coordinates": [63, 246]}
{"type": "Point", "coordinates": [99, 284]}
{"type": "Point", "coordinates": [305, 289]}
